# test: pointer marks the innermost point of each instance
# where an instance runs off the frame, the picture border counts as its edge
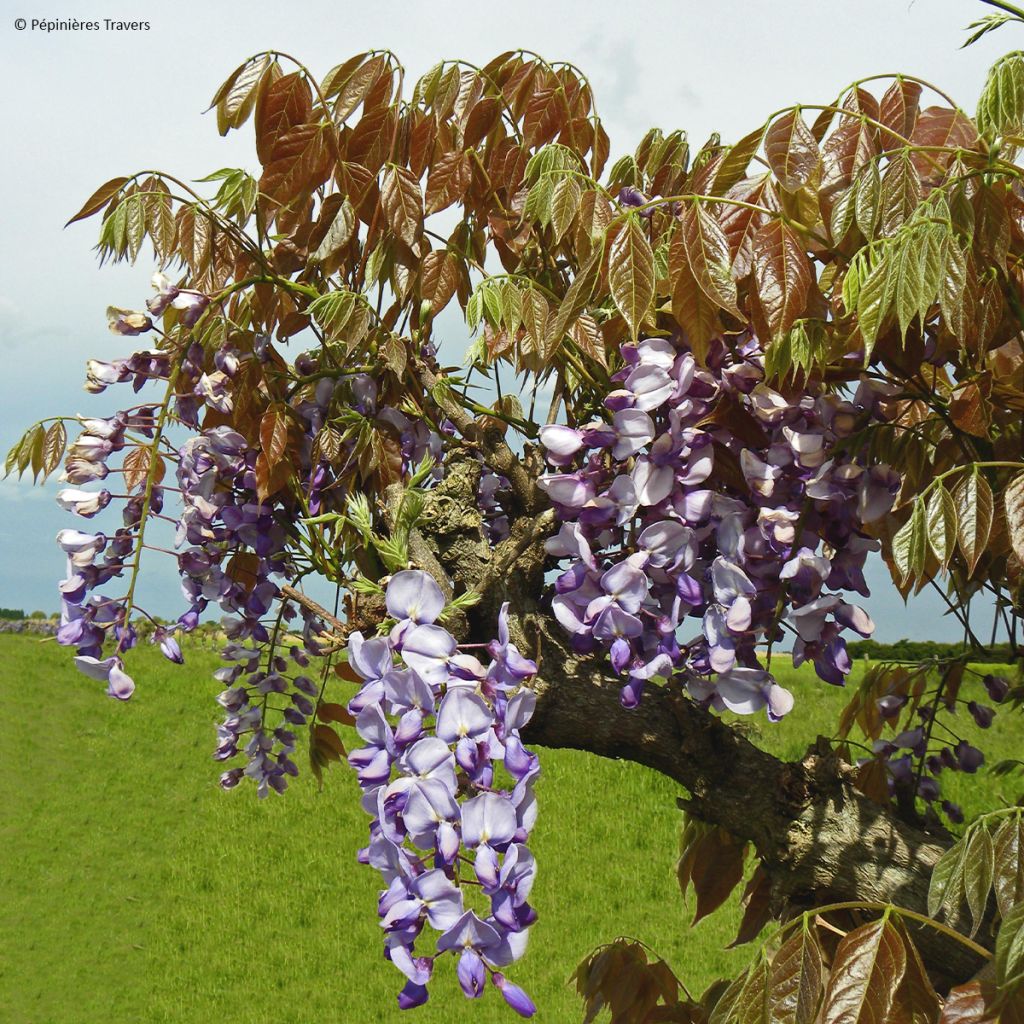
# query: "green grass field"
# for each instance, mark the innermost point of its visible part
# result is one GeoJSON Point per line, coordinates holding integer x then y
{"type": "Point", "coordinates": [133, 890]}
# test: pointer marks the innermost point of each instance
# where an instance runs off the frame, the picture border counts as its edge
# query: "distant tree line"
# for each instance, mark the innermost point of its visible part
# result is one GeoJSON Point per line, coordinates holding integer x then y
{"type": "Point", "coordinates": [923, 650]}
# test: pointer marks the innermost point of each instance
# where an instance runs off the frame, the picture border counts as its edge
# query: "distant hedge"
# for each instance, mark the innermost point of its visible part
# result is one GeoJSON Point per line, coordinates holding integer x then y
{"type": "Point", "coordinates": [12, 613]}
{"type": "Point", "coordinates": [921, 650]}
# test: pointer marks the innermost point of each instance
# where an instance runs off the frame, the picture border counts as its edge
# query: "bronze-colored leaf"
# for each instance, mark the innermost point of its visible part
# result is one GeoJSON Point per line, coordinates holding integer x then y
{"type": "Point", "coordinates": [328, 712]}
{"type": "Point", "coordinates": [867, 970]}
{"type": "Point", "coordinates": [783, 274]}
{"type": "Point", "coordinates": [285, 103]}
{"type": "Point", "coordinates": [970, 410]}
{"type": "Point", "coordinates": [54, 443]}
{"type": "Point", "coordinates": [756, 902]}
{"type": "Point", "coordinates": [403, 203]}
{"type": "Point", "coordinates": [792, 150]}
{"type": "Point", "coordinates": [439, 277]}
{"type": "Point", "coordinates": [717, 869]}
{"type": "Point", "coordinates": [236, 104]}
{"type": "Point", "coordinates": [707, 251]}
{"type": "Point", "coordinates": [136, 468]}
{"type": "Point", "coordinates": [448, 181]}
{"type": "Point", "coordinates": [274, 434]}
{"type": "Point", "coordinates": [328, 742]}
{"type": "Point", "coordinates": [798, 978]}
{"type": "Point", "coordinates": [694, 311]}
{"type": "Point", "coordinates": [916, 1000]}
{"type": "Point", "coordinates": [99, 199]}
{"type": "Point", "coordinates": [898, 111]}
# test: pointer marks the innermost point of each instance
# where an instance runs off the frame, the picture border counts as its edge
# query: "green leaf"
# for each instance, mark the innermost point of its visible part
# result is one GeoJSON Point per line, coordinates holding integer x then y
{"type": "Point", "coordinates": [946, 887]}
{"type": "Point", "coordinates": [941, 518]}
{"type": "Point", "coordinates": [910, 545]}
{"type": "Point", "coordinates": [565, 202]}
{"type": "Point", "coordinates": [1001, 104]}
{"type": "Point", "coordinates": [631, 273]}
{"type": "Point", "coordinates": [979, 868]}
{"type": "Point", "coordinates": [1013, 503]}
{"type": "Point", "coordinates": [1009, 864]}
{"type": "Point", "coordinates": [874, 300]}
{"type": "Point", "coordinates": [733, 167]}
{"type": "Point", "coordinates": [868, 201]}
{"type": "Point", "coordinates": [1009, 953]}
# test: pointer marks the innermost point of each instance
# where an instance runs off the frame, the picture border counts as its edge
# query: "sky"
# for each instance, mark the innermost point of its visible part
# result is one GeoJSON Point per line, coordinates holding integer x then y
{"type": "Point", "coordinates": [81, 107]}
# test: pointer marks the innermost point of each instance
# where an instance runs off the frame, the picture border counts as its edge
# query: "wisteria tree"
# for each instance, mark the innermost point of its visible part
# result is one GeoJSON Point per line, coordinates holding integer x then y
{"type": "Point", "coordinates": [702, 388]}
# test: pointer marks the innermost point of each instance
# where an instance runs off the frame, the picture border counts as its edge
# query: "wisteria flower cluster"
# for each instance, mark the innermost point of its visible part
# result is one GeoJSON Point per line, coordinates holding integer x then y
{"type": "Point", "coordinates": [707, 494]}
{"type": "Point", "coordinates": [449, 786]}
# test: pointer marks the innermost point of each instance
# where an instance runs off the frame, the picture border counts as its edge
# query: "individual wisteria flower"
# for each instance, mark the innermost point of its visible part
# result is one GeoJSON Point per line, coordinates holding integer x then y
{"type": "Point", "coordinates": [435, 723]}
{"type": "Point", "coordinates": [652, 546]}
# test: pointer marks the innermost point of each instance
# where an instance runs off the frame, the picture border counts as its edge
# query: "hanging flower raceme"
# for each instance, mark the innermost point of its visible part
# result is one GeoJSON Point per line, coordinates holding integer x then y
{"type": "Point", "coordinates": [708, 495]}
{"type": "Point", "coordinates": [449, 786]}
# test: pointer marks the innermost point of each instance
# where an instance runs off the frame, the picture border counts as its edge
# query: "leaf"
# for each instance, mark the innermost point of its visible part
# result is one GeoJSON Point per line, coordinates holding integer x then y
{"type": "Point", "coordinates": [439, 277]}
{"type": "Point", "coordinates": [978, 871]}
{"type": "Point", "coordinates": [707, 251]}
{"type": "Point", "coordinates": [910, 545]}
{"type": "Point", "coordinates": [274, 435]}
{"type": "Point", "coordinates": [1001, 104]}
{"type": "Point", "coordinates": [299, 163]}
{"type": "Point", "coordinates": [970, 410]}
{"type": "Point", "coordinates": [565, 202]}
{"type": "Point", "coordinates": [874, 300]}
{"type": "Point", "coordinates": [791, 150]}
{"type": "Point", "coordinates": [717, 870]}
{"type": "Point", "coordinates": [867, 969]}
{"type": "Point", "coordinates": [916, 1001]}
{"type": "Point", "coordinates": [1013, 503]}
{"type": "Point", "coordinates": [403, 203]}
{"type": "Point", "coordinates": [733, 167]}
{"type": "Point", "coordinates": [798, 978]}
{"type": "Point", "coordinates": [695, 312]}
{"type": "Point", "coordinates": [99, 199]}
{"type": "Point", "coordinates": [968, 1004]}
{"type": "Point", "coordinates": [946, 887]}
{"type": "Point", "coordinates": [236, 104]}
{"type": "Point", "coordinates": [285, 103]}
{"type": "Point", "coordinates": [339, 234]}
{"type": "Point", "coordinates": [901, 193]}
{"type": "Point", "coordinates": [1009, 864]}
{"type": "Point", "coordinates": [868, 198]}
{"type": "Point", "coordinates": [448, 181]}
{"type": "Point", "coordinates": [756, 902]}
{"type": "Point", "coordinates": [898, 110]}
{"type": "Point", "coordinates": [328, 742]}
{"type": "Point", "coordinates": [136, 468]}
{"type": "Point", "coordinates": [54, 443]}
{"type": "Point", "coordinates": [783, 274]}
{"type": "Point", "coordinates": [974, 508]}
{"type": "Point", "coordinates": [1009, 952]}
{"type": "Point", "coordinates": [631, 273]}
{"type": "Point", "coordinates": [941, 518]}
{"type": "Point", "coordinates": [328, 712]}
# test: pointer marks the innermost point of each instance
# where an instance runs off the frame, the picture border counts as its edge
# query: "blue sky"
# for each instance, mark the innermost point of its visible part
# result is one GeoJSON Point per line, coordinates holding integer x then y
{"type": "Point", "coordinates": [81, 108]}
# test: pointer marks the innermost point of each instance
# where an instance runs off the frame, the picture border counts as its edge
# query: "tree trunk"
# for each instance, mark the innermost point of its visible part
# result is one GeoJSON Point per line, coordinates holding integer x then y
{"type": "Point", "coordinates": [819, 839]}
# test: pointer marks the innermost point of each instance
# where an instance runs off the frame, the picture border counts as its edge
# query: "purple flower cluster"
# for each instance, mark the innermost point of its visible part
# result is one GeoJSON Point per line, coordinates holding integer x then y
{"type": "Point", "coordinates": [707, 494]}
{"type": "Point", "coordinates": [449, 786]}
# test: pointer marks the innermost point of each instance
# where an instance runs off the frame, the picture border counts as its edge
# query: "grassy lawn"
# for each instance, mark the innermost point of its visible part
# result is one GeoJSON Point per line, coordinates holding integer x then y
{"type": "Point", "coordinates": [133, 890]}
